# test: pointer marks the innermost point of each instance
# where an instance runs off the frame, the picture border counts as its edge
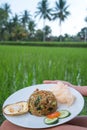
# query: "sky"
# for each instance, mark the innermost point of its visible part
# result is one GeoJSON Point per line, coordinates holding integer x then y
{"type": "Point", "coordinates": [72, 25]}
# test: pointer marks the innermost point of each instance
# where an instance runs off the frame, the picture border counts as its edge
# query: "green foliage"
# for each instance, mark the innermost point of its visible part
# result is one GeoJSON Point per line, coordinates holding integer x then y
{"type": "Point", "coordinates": [22, 66]}
{"type": "Point", "coordinates": [44, 12]}
{"type": "Point", "coordinates": [23, 26]}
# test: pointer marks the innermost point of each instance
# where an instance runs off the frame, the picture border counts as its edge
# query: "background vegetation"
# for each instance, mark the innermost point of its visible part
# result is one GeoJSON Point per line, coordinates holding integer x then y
{"type": "Point", "coordinates": [23, 26]}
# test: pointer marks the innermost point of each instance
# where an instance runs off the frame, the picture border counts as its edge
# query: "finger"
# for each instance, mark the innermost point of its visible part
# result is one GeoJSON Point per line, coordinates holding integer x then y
{"type": "Point", "coordinates": [56, 82]}
{"type": "Point", "coordinates": [67, 83]}
{"type": "Point", "coordinates": [50, 81]}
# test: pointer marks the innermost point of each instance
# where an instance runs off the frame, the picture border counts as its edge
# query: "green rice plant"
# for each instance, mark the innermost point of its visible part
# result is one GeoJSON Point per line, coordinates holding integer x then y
{"type": "Point", "coordinates": [22, 66]}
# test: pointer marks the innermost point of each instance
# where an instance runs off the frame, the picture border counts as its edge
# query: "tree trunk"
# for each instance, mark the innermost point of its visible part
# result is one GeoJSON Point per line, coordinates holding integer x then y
{"type": "Point", "coordinates": [44, 30]}
{"type": "Point", "coordinates": [60, 31]}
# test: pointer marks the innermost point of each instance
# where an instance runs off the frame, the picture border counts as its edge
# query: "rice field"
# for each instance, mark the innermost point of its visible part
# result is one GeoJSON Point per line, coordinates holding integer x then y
{"type": "Point", "coordinates": [22, 66]}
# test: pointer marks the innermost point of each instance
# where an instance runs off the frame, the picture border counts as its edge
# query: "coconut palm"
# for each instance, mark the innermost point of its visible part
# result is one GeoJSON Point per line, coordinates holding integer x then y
{"type": "Point", "coordinates": [44, 12]}
{"type": "Point", "coordinates": [12, 23]}
{"type": "Point", "coordinates": [47, 30]}
{"type": "Point", "coordinates": [31, 27]}
{"type": "Point", "coordinates": [15, 20]}
{"type": "Point", "coordinates": [26, 16]}
{"type": "Point", "coordinates": [86, 30]}
{"type": "Point", "coordinates": [85, 19]}
{"type": "Point", "coordinates": [61, 12]}
{"type": "Point", "coordinates": [7, 9]}
{"type": "Point", "coordinates": [4, 16]}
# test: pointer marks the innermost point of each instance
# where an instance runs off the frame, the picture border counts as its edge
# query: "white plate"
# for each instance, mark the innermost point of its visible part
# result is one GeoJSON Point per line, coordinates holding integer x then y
{"type": "Point", "coordinates": [31, 121]}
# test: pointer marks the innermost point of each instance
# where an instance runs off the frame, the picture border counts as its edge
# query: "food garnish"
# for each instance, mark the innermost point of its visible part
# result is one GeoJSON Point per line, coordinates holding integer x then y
{"type": "Point", "coordinates": [50, 121]}
{"type": "Point", "coordinates": [64, 114]}
{"type": "Point", "coordinates": [54, 117]}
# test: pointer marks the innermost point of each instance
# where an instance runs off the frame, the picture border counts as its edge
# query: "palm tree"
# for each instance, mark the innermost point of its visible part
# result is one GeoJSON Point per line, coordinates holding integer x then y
{"type": "Point", "coordinates": [86, 30]}
{"type": "Point", "coordinates": [7, 9]}
{"type": "Point", "coordinates": [47, 30]}
{"type": "Point", "coordinates": [12, 23]}
{"type": "Point", "coordinates": [85, 19]}
{"type": "Point", "coordinates": [15, 20]}
{"type": "Point", "coordinates": [4, 17]}
{"type": "Point", "coordinates": [61, 12]}
{"type": "Point", "coordinates": [26, 16]}
{"type": "Point", "coordinates": [31, 27]}
{"type": "Point", "coordinates": [44, 12]}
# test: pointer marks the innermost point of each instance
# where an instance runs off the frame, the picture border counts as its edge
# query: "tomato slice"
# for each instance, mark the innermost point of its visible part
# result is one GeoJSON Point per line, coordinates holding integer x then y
{"type": "Point", "coordinates": [53, 115]}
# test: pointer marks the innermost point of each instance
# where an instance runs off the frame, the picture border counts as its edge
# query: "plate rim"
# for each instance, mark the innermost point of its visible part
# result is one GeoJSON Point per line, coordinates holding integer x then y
{"type": "Point", "coordinates": [35, 86]}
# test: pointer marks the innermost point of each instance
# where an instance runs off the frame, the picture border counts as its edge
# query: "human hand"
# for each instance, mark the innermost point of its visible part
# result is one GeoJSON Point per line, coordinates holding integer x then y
{"type": "Point", "coordinates": [57, 81]}
{"type": "Point", "coordinates": [82, 90]}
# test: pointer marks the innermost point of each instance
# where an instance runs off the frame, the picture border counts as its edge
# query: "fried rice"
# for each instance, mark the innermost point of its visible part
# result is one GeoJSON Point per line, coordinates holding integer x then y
{"type": "Point", "coordinates": [42, 102]}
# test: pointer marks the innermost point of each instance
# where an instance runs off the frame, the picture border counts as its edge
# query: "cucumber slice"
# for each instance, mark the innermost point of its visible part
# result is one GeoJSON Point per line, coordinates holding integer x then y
{"type": "Point", "coordinates": [64, 114]}
{"type": "Point", "coordinates": [49, 121]}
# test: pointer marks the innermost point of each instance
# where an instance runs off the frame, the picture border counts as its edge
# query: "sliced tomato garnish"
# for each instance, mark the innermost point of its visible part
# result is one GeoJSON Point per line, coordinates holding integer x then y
{"type": "Point", "coordinates": [53, 115]}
